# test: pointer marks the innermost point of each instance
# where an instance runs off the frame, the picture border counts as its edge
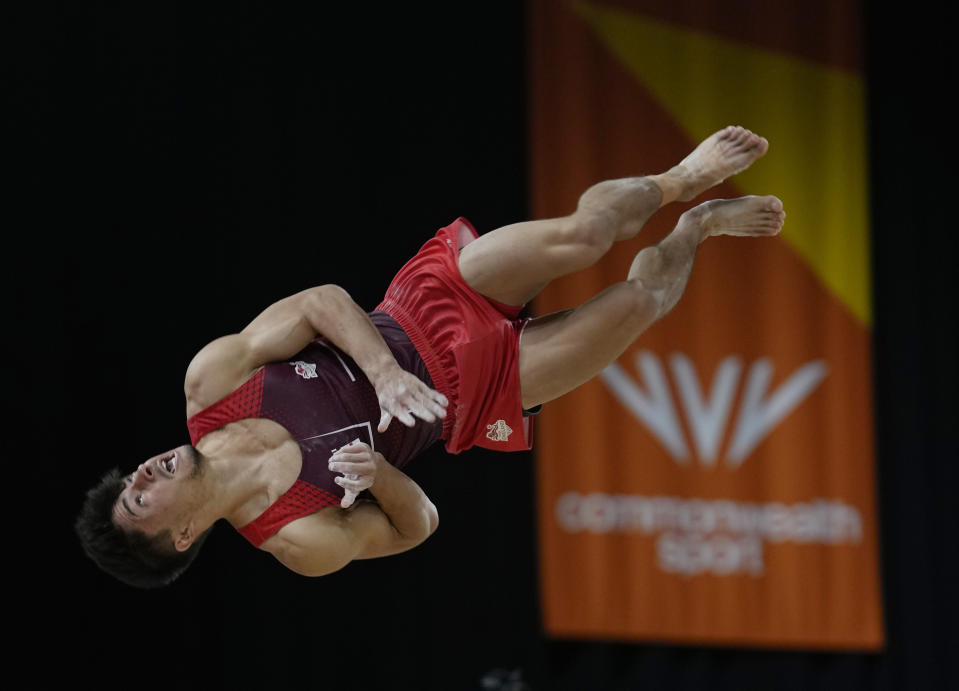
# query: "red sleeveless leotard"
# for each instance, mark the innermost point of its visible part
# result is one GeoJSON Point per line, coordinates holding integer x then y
{"type": "Point", "coordinates": [323, 399]}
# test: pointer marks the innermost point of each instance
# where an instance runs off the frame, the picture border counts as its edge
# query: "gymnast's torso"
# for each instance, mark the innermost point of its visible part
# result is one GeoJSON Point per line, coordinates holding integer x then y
{"type": "Point", "coordinates": [293, 415]}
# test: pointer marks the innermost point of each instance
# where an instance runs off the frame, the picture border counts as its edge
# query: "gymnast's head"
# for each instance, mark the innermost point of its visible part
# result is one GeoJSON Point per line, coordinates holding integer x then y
{"type": "Point", "coordinates": [141, 528]}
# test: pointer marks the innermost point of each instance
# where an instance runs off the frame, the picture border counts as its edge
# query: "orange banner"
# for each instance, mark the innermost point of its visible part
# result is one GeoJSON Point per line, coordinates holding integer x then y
{"type": "Point", "coordinates": [716, 484]}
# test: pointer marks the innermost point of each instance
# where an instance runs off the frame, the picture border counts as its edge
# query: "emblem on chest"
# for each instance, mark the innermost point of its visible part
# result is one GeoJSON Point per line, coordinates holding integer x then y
{"type": "Point", "coordinates": [307, 370]}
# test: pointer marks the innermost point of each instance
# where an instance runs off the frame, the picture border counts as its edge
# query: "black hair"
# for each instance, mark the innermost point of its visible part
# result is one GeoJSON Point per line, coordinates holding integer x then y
{"type": "Point", "coordinates": [131, 556]}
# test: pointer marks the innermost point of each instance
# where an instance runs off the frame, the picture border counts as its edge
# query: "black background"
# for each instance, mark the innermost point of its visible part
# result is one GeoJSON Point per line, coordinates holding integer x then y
{"type": "Point", "coordinates": [176, 168]}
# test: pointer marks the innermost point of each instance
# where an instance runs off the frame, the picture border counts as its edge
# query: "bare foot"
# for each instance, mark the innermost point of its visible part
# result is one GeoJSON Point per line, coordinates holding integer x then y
{"type": "Point", "coordinates": [729, 151]}
{"type": "Point", "coordinates": [750, 216]}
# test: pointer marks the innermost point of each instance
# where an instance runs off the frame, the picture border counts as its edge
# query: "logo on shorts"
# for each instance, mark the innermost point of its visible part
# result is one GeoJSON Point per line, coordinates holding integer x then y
{"type": "Point", "coordinates": [499, 431]}
{"type": "Point", "coordinates": [307, 370]}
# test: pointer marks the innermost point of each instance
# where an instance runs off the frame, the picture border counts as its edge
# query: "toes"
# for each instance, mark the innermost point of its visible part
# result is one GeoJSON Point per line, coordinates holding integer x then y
{"type": "Point", "coordinates": [774, 204]}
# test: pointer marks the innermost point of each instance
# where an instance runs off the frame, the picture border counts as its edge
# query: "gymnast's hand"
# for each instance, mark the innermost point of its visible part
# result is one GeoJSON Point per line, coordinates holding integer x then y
{"type": "Point", "coordinates": [403, 396]}
{"type": "Point", "coordinates": [357, 462]}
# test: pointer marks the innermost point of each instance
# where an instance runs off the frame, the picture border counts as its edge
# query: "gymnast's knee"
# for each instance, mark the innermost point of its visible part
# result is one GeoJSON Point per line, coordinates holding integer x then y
{"type": "Point", "coordinates": [642, 304]}
{"type": "Point", "coordinates": [590, 232]}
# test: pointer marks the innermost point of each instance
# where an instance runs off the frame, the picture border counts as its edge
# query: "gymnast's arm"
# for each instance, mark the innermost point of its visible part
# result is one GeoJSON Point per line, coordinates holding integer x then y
{"type": "Point", "coordinates": [287, 326]}
{"type": "Point", "coordinates": [331, 538]}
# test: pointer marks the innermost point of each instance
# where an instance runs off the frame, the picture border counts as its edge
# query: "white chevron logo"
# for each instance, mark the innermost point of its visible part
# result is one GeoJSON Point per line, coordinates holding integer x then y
{"type": "Point", "coordinates": [759, 413]}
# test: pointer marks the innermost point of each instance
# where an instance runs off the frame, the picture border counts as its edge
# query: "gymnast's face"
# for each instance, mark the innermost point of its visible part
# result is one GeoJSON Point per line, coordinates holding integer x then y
{"type": "Point", "coordinates": [156, 494]}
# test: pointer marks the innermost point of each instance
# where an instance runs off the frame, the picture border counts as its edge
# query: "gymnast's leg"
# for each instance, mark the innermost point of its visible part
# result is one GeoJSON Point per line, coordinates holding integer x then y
{"type": "Point", "coordinates": [512, 264]}
{"type": "Point", "coordinates": [561, 351]}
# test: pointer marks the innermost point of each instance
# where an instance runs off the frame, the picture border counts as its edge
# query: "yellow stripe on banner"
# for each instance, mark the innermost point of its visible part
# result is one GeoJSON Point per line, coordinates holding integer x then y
{"type": "Point", "coordinates": [812, 115]}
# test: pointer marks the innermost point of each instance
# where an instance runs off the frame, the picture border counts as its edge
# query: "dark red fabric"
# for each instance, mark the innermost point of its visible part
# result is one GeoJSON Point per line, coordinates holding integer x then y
{"type": "Point", "coordinates": [324, 401]}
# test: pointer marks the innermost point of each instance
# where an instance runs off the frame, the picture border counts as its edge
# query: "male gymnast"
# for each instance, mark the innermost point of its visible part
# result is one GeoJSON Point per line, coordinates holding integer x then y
{"type": "Point", "coordinates": [290, 419]}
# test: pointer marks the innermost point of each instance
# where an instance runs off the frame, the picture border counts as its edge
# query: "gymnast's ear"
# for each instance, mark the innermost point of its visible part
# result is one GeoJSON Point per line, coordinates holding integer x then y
{"type": "Point", "coordinates": [185, 537]}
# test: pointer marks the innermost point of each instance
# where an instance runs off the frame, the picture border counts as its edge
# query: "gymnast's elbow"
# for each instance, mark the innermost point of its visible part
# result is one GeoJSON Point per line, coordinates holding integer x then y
{"type": "Point", "coordinates": [416, 532]}
{"type": "Point", "coordinates": [432, 518]}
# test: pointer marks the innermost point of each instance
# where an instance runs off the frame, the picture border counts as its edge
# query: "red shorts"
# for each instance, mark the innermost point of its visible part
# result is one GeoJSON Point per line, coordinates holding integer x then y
{"type": "Point", "coordinates": [469, 343]}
